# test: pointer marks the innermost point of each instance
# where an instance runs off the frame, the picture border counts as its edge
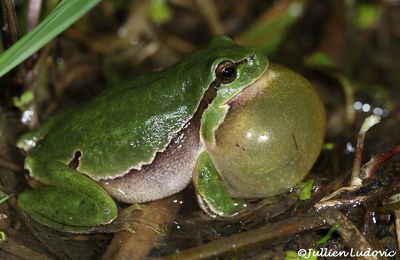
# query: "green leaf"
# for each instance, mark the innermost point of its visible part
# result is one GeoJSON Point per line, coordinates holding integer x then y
{"type": "Point", "coordinates": [3, 197]}
{"type": "Point", "coordinates": [159, 11]}
{"type": "Point", "coordinates": [328, 235]}
{"type": "Point", "coordinates": [319, 59]}
{"type": "Point", "coordinates": [25, 99]}
{"type": "Point", "coordinates": [63, 15]}
{"type": "Point", "coordinates": [306, 189]}
{"type": "Point", "coordinates": [267, 34]}
{"type": "Point", "coordinates": [293, 255]}
{"type": "Point", "coordinates": [328, 146]}
{"type": "Point", "coordinates": [3, 236]}
{"type": "Point", "coordinates": [367, 15]}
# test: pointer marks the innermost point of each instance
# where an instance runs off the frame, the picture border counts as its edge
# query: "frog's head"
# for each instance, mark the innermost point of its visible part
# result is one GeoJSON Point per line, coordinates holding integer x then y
{"type": "Point", "coordinates": [234, 67]}
{"type": "Point", "coordinates": [224, 66]}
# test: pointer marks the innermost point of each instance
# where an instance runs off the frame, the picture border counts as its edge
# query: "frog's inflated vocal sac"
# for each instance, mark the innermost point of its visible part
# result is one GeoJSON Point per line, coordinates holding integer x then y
{"type": "Point", "coordinates": [223, 116]}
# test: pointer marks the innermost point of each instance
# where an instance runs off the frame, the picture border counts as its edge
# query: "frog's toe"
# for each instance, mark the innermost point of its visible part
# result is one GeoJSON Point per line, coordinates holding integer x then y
{"type": "Point", "coordinates": [64, 209]}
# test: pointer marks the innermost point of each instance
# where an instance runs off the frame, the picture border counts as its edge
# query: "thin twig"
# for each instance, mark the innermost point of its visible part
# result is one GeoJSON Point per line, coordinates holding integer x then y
{"type": "Point", "coordinates": [249, 240]}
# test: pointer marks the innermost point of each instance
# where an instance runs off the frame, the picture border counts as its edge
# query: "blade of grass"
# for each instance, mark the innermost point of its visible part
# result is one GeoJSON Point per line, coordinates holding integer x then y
{"type": "Point", "coordinates": [63, 15]}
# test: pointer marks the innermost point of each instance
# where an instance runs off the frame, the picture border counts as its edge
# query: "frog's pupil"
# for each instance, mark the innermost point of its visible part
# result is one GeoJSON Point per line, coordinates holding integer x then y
{"type": "Point", "coordinates": [228, 72]}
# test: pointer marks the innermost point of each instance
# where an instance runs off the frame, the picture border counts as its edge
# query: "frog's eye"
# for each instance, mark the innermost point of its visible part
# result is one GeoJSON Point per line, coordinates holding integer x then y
{"type": "Point", "coordinates": [226, 72]}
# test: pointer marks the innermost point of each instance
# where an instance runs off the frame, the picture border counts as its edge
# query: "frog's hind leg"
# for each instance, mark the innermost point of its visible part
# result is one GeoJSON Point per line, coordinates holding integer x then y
{"type": "Point", "coordinates": [212, 195]}
{"type": "Point", "coordinates": [71, 202]}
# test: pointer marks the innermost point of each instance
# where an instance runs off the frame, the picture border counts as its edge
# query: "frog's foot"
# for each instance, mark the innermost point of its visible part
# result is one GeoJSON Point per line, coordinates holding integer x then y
{"type": "Point", "coordinates": [212, 195]}
{"type": "Point", "coordinates": [72, 202]}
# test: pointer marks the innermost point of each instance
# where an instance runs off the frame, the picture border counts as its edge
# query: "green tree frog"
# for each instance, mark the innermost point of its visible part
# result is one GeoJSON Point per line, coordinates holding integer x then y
{"type": "Point", "coordinates": [223, 117]}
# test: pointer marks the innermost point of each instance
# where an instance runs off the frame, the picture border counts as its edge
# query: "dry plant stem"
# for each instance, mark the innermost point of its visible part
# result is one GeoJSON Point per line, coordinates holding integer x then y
{"type": "Point", "coordinates": [339, 203]}
{"type": "Point", "coordinates": [209, 10]}
{"type": "Point", "coordinates": [397, 222]}
{"type": "Point", "coordinates": [148, 51]}
{"type": "Point", "coordinates": [376, 162]}
{"type": "Point", "coordinates": [126, 245]}
{"type": "Point", "coordinates": [10, 23]}
{"type": "Point", "coordinates": [33, 13]}
{"type": "Point", "coordinates": [136, 24]}
{"type": "Point", "coordinates": [367, 124]}
{"type": "Point", "coordinates": [269, 211]}
{"type": "Point", "coordinates": [19, 251]}
{"type": "Point", "coordinates": [351, 235]}
{"type": "Point", "coordinates": [10, 170]}
{"type": "Point", "coordinates": [179, 44]}
{"type": "Point", "coordinates": [91, 42]}
{"type": "Point", "coordinates": [333, 40]}
{"type": "Point", "coordinates": [376, 197]}
{"type": "Point", "coordinates": [337, 193]}
{"type": "Point", "coordinates": [371, 200]}
{"type": "Point", "coordinates": [355, 180]}
{"type": "Point", "coordinates": [333, 44]}
{"type": "Point", "coordinates": [10, 165]}
{"type": "Point", "coordinates": [249, 240]}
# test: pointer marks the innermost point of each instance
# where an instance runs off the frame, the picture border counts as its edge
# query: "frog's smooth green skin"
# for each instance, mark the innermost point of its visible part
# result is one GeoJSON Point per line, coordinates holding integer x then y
{"type": "Point", "coordinates": [138, 141]}
{"type": "Point", "coordinates": [267, 142]}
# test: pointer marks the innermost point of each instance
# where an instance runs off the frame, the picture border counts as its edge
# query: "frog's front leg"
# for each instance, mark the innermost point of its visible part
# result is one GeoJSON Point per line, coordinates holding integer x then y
{"type": "Point", "coordinates": [212, 195]}
{"type": "Point", "coordinates": [71, 202]}
{"type": "Point", "coordinates": [29, 140]}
